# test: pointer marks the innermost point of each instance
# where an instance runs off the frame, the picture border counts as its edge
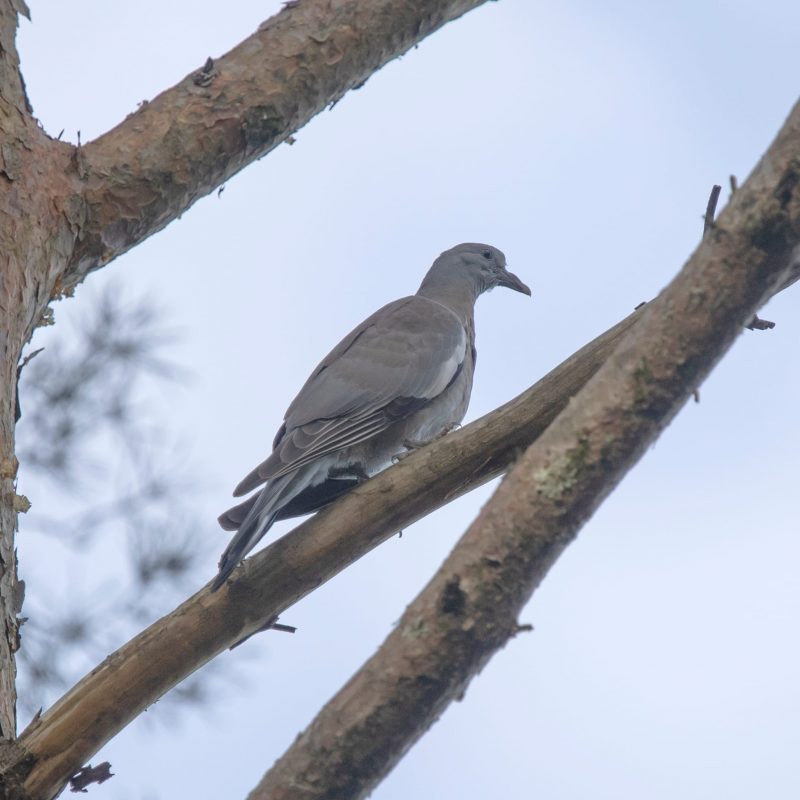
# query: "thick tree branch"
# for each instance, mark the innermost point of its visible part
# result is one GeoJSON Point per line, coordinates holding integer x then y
{"type": "Point", "coordinates": [57, 744]}
{"type": "Point", "coordinates": [469, 609]}
{"type": "Point", "coordinates": [12, 87]}
{"type": "Point", "coordinates": [25, 243]}
{"type": "Point", "coordinates": [67, 210]}
{"type": "Point", "coordinates": [182, 145]}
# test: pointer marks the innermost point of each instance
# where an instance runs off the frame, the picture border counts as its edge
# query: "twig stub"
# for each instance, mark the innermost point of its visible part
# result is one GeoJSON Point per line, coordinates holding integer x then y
{"type": "Point", "coordinates": [88, 775]}
{"type": "Point", "coordinates": [758, 324]}
{"type": "Point", "coordinates": [711, 209]}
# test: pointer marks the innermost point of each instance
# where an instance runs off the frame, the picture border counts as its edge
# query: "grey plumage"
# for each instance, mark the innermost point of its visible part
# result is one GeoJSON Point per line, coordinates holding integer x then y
{"type": "Point", "coordinates": [403, 376]}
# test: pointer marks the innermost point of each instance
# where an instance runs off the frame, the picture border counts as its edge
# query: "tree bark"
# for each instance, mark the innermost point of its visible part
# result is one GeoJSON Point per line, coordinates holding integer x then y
{"type": "Point", "coordinates": [469, 609]}
{"type": "Point", "coordinates": [193, 137]}
{"type": "Point", "coordinates": [32, 240]}
{"type": "Point", "coordinates": [107, 699]}
{"type": "Point", "coordinates": [67, 210]}
{"type": "Point", "coordinates": [11, 97]}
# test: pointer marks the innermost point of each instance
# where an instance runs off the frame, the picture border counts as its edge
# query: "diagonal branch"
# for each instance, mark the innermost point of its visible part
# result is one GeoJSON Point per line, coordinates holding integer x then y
{"type": "Point", "coordinates": [105, 701]}
{"type": "Point", "coordinates": [57, 744]}
{"type": "Point", "coordinates": [66, 210]}
{"type": "Point", "coordinates": [149, 169]}
{"type": "Point", "coordinates": [469, 609]}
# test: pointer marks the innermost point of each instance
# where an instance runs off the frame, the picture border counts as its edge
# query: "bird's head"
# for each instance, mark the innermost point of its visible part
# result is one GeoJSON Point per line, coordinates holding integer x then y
{"type": "Point", "coordinates": [481, 265]}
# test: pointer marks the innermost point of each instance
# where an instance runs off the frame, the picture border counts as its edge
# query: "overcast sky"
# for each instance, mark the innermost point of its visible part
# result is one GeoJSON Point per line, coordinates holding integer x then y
{"type": "Point", "coordinates": [582, 139]}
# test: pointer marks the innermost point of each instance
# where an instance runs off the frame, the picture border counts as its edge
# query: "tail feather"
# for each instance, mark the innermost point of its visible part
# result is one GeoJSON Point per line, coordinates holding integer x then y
{"type": "Point", "coordinates": [261, 512]}
{"type": "Point", "coordinates": [247, 537]}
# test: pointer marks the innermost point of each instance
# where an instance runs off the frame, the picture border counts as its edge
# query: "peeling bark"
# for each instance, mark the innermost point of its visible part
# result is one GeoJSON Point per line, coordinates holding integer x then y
{"type": "Point", "coordinates": [469, 609]}
{"type": "Point", "coordinates": [31, 240]}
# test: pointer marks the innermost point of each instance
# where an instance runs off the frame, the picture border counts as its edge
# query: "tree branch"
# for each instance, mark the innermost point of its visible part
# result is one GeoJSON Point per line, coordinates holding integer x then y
{"type": "Point", "coordinates": [66, 210]}
{"type": "Point", "coordinates": [12, 87]}
{"type": "Point", "coordinates": [469, 609]}
{"type": "Point", "coordinates": [15, 125]}
{"type": "Point", "coordinates": [57, 744]}
{"type": "Point", "coordinates": [149, 169]}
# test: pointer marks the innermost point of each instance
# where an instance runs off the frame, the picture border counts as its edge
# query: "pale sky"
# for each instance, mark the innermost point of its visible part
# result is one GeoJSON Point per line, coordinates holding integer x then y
{"type": "Point", "coordinates": [582, 139]}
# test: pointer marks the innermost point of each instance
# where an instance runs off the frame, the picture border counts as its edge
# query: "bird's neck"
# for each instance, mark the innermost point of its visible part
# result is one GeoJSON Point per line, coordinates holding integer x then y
{"type": "Point", "coordinates": [460, 299]}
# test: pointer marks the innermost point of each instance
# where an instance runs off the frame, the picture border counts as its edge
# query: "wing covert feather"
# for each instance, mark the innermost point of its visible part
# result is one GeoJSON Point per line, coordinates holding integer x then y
{"type": "Point", "coordinates": [410, 349]}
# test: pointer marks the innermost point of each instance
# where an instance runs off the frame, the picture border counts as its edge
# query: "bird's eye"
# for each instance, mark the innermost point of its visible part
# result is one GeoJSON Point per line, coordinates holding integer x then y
{"type": "Point", "coordinates": [486, 254]}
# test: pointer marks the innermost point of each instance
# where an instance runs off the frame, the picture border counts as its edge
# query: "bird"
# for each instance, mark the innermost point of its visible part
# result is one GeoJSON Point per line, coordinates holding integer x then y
{"type": "Point", "coordinates": [400, 379]}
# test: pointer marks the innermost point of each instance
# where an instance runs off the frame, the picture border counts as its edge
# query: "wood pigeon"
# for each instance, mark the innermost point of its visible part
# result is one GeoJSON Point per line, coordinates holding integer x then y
{"type": "Point", "coordinates": [399, 380]}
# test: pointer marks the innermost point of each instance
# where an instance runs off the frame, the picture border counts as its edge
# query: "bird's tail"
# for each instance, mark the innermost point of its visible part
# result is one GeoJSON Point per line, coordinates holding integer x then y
{"type": "Point", "coordinates": [262, 513]}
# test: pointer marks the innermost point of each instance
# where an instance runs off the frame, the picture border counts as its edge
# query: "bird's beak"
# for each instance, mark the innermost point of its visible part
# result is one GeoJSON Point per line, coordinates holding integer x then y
{"type": "Point", "coordinates": [511, 281]}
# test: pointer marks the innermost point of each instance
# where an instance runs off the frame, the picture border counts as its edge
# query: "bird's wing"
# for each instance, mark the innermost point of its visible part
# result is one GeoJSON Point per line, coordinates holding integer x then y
{"type": "Point", "coordinates": [394, 363]}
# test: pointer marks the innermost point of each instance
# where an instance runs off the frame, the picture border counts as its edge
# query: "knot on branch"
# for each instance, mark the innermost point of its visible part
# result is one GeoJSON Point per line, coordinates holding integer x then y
{"type": "Point", "coordinates": [454, 601]}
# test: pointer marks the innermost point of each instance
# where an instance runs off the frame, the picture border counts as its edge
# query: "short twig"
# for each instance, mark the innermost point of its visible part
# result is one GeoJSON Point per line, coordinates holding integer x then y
{"type": "Point", "coordinates": [524, 627]}
{"type": "Point", "coordinates": [758, 324]}
{"type": "Point", "coordinates": [270, 625]}
{"type": "Point", "coordinates": [711, 209]}
{"type": "Point", "coordinates": [284, 628]}
{"type": "Point", "coordinates": [29, 357]}
{"type": "Point", "coordinates": [86, 776]}
{"type": "Point", "coordinates": [733, 184]}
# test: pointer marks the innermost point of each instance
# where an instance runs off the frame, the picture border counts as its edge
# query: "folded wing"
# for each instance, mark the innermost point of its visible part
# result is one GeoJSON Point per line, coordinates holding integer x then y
{"type": "Point", "coordinates": [392, 365]}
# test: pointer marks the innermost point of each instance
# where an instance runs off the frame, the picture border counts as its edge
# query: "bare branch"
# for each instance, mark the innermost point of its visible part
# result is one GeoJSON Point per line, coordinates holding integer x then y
{"type": "Point", "coordinates": [136, 675]}
{"type": "Point", "coordinates": [189, 140]}
{"type": "Point", "coordinates": [91, 713]}
{"type": "Point", "coordinates": [106, 700]}
{"type": "Point", "coordinates": [469, 609]}
{"type": "Point", "coordinates": [83, 206]}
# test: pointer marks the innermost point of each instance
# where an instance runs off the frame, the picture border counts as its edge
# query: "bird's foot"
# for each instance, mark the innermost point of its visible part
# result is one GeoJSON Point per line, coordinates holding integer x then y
{"type": "Point", "coordinates": [415, 444]}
